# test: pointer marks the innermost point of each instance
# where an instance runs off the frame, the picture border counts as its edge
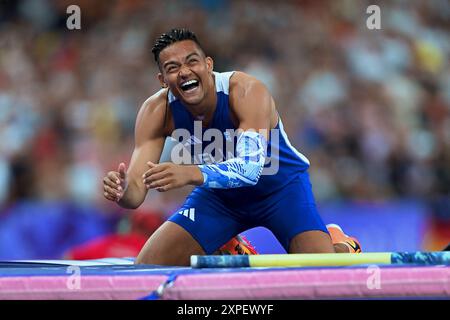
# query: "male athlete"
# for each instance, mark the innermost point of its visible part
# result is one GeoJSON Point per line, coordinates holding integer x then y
{"type": "Point", "coordinates": [231, 195]}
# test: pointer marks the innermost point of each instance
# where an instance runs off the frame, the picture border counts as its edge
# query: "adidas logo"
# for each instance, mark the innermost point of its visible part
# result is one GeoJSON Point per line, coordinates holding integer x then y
{"type": "Point", "coordinates": [188, 213]}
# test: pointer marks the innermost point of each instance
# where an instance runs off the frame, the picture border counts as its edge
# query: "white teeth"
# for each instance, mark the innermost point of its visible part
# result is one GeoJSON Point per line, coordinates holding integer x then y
{"type": "Point", "coordinates": [189, 83]}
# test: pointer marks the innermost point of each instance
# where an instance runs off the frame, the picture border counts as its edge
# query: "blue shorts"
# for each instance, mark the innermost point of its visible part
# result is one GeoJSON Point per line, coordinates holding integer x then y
{"type": "Point", "coordinates": [213, 220]}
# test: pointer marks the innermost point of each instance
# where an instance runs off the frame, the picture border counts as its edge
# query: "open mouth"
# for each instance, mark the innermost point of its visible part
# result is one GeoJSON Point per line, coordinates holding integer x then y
{"type": "Point", "coordinates": [189, 85]}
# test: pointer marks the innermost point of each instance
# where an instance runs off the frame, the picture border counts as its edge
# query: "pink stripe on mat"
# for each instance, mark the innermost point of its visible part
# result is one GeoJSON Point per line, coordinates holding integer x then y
{"type": "Point", "coordinates": [314, 284]}
{"type": "Point", "coordinates": [264, 284]}
{"type": "Point", "coordinates": [91, 287]}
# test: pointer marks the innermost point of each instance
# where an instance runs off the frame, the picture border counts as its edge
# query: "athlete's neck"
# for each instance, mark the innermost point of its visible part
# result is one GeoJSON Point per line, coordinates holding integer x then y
{"type": "Point", "coordinates": [204, 111]}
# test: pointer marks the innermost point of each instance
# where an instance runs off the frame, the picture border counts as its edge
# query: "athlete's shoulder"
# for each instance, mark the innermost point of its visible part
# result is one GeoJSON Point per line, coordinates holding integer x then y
{"type": "Point", "coordinates": [154, 104]}
{"type": "Point", "coordinates": [242, 83]}
{"type": "Point", "coordinates": [152, 114]}
{"type": "Point", "coordinates": [242, 78]}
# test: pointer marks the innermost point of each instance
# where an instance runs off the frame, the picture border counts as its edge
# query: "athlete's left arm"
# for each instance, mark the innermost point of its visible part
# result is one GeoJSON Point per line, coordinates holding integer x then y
{"type": "Point", "coordinates": [253, 107]}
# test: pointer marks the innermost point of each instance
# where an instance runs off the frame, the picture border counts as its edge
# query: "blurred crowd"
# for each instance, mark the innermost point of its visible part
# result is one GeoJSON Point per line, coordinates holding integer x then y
{"type": "Point", "coordinates": [369, 108]}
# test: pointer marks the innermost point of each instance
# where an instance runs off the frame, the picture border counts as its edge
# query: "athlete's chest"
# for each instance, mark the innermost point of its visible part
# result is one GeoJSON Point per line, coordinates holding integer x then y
{"type": "Point", "coordinates": [208, 141]}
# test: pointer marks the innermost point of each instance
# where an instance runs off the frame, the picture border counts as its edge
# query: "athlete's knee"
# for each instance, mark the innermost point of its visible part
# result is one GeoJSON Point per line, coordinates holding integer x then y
{"type": "Point", "coordinates": [139, 260]}
{"type": "Point", "coordinates": [148, 259]}
{"type": "Point", "coordinates": [152, 255]}
{"type": "Point", "coordinates": [311, 242]}
{"type": "Point", "coordinates": [169, 245]}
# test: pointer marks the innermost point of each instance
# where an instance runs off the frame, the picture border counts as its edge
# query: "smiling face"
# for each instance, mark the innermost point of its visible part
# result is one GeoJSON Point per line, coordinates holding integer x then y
{"type": "Point", "coordinates": [187, 72]}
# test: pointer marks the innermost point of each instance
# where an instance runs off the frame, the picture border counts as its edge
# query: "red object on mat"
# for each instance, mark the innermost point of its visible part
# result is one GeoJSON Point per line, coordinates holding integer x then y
{"type": "Point", "coordinates": [110, 246]}
{"type": "Point", "coordinates": [143, 224]}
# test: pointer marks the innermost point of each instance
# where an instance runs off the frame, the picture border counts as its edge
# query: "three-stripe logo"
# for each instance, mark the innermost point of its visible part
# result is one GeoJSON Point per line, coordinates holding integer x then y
{"type": "Point", "coordinates": [189, 213]}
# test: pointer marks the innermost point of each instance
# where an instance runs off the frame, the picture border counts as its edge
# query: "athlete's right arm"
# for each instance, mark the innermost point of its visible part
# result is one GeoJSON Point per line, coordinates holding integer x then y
{"type": "Point", "coordinates": [150, 133]}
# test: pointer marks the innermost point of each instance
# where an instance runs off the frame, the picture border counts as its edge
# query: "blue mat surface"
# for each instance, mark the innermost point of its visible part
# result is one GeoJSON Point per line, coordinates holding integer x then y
{"type": "Point", "coordinates": [125, 266]}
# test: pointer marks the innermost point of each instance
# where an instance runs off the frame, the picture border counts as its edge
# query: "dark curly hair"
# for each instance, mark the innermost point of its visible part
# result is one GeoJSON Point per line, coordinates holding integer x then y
{"type": "Point", "coordinates": [168, 38]}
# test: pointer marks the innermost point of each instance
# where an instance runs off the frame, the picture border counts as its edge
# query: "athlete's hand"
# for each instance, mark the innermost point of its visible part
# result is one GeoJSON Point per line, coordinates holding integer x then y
{"type": "Point", "coordinates": [114, 183]}
{"type": "Point", "coordinates": [166, 176]}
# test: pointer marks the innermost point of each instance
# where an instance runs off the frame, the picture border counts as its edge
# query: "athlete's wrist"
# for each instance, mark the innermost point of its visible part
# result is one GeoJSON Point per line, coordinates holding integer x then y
{"type": "Point", "coordinates": [196, 176]}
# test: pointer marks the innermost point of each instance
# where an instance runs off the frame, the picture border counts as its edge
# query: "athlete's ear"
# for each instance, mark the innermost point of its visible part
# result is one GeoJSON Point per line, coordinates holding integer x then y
{"type": "Point", "coordinates": [161, 80]}
{"type": "Point", "coordinates": [210, 64]}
